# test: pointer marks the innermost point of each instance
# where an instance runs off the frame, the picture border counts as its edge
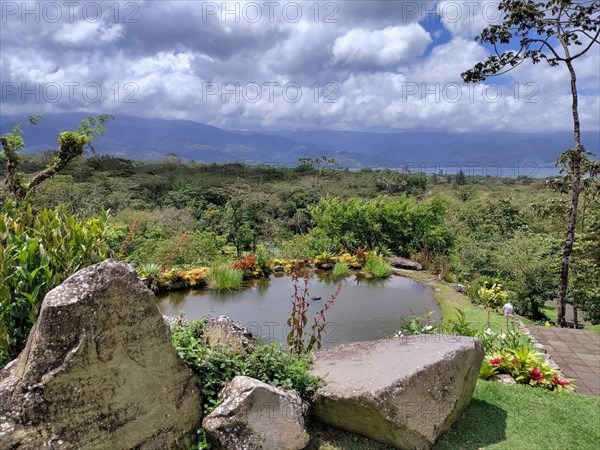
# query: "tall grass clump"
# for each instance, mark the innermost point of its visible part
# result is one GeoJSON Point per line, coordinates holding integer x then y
{"type": "Point", "coordinates": [341, 270]}
{"type": "Point", "coordinates": [225, 278]}
{"type": "Point", "coordinates": [377, 267]}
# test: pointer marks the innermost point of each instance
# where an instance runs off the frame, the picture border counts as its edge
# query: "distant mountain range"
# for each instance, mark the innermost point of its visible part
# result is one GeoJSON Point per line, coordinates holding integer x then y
{"type": "Point", "coordinates": [141, 138]}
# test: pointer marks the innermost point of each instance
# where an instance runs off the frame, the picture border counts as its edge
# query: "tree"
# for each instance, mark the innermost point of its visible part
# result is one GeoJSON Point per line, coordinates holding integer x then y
{"type": "Point", "coordinates": [321, 165]}
{"type": "Point", "coordinates": [72, 145]}
{"type": "Point", "coordinates": [555, 31]}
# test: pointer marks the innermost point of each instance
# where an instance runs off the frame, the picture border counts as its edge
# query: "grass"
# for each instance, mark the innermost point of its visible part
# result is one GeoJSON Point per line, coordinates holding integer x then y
{"type": "Point", "coordinates": [377, 268]}
{"type": "Point", "coordinates": [501, 417]}
{"type": "Point", "coordinates": [595, 328]}
{"type": "Point", "coordinates": [450, 301]}
{"type": "Point", "coordinates": [510, 417]}
{"type": "Point", "coordinates": [341, 270]}
{"type": "Point", "coordinates": [225, 278]}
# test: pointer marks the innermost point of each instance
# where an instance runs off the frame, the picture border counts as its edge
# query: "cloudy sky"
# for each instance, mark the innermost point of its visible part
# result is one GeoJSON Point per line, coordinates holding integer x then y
{"type": "Point", "coordinates": [351, 65]}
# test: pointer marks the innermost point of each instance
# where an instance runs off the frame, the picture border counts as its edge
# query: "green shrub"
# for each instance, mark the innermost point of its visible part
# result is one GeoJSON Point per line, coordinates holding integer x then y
{"type": "Point", "coordinates": [475, 286]}
{"type": "Point", "coordinates": [418, 325]}
{"type": "Point", "coordinates": [399, 224]}
{"type": "Point", "coordinates": [377, 267]}
{"type": "Point", "coordinates": [215, 367]}
{"type": "Point", "coordinates": [530, 265]}
{"type": "Point", "coordinates": [510, 352]}
{"type": "Point", "coordinates": [224, 277]}
{"type": "Point", "coordinates": [341, 270]}
{"type": "Point", "coordinates": [38, 251]}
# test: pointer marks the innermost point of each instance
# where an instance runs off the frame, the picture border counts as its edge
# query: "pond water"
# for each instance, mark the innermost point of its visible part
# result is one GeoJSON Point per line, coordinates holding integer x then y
{"type": "Point", "coordinates": [363, 310]}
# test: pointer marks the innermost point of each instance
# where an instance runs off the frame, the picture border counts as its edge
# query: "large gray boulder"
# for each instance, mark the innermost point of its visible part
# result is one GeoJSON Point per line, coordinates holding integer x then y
{"type": "Point", "coordinates": [404, 391]}
{"type": "Point", "coordinates": [224, 331]}
{"type": "Point", "coordinates": [99, 371]}
{"type": "Point", "coordinates": [256, 416]}
{"type": "Point", "coordinates": [404, 263]}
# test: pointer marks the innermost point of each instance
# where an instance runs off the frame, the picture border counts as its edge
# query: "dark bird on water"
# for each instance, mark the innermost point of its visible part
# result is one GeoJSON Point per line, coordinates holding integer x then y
{"type": "Point", "coordinates": [315, 298]}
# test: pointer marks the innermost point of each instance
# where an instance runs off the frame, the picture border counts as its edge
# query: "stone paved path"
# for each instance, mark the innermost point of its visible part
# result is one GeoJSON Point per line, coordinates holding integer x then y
{"type": "Point", "coordinates": [577, 353]}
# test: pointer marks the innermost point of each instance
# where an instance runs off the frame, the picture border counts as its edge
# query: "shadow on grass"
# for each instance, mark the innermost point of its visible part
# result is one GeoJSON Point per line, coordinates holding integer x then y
{"type": "Point", "coordinates": [480, 425]}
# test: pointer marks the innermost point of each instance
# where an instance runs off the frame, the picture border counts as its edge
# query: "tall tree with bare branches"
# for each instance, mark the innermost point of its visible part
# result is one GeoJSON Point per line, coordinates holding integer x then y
{"type": "Point", "coordinates": [556, 32]}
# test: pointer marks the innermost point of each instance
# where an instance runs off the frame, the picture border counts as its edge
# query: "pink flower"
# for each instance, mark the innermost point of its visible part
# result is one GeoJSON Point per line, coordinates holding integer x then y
{"type": "Point", "coordinates": [536, 375]}
{"type": "Point", "coordinates": [496, 361]}
{"type": "Point", "coordinates": [559, 380]}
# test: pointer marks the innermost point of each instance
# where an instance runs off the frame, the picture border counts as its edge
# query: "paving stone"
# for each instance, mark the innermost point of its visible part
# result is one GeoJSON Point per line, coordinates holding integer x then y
{"type": "Point", "coordinates": [582, 368]}
{"type": "Point", "coordinates": [577, 353]}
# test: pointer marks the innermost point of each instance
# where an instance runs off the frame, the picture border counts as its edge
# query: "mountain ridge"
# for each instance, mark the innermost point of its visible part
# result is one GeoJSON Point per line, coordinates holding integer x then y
{"type": "Point", "coordinates": [151, 138]}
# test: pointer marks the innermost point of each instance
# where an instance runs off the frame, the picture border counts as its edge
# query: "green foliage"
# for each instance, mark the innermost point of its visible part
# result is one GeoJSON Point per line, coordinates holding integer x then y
{"type": "Point", "coordinates": [341, 270]}
{"type": "Point", "coordinates": [181, 214]}
{"type": "Point", "coordinates": [38, 250]}
{"type": "Point", "coordinates": [492, 217]}
{"type": "Point", "coordinates": [464, 193]}
{"type": "Point", "coordinates": [376, 267]}
{"type": "Point", "coordinates": [307, 245]}
{"type": "Point", "coordinates": [493, 297]}
{"type": "Point", "coordinates": [217, 366]}
{"type": "Point", "coordinates": [510, 352]}
{"type": "Point", "coordinates": [529, 264]}
{"type": "Point", "coordinates": [225, 278]}
{"type": "Point", "coordinates": [392, 182]}
{"type": "Point", "coordinates": [586, 270]}
{"type": "Point", "coordinates": [460, 326]}
{"type": "Point", "coordinates": [418, 325]}
{"type": "Point", "coordinates": [72, 145]}
{"type": "Point", "coordinates": [400, 224]}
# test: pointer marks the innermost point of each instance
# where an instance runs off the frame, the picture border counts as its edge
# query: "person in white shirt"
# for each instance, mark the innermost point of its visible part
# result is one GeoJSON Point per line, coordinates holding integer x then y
{"type": "Point", "coordinates": [508, 309]}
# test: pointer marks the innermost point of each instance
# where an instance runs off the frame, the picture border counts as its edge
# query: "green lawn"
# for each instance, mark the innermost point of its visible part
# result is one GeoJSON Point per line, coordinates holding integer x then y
{"type": "Point", "coordinates": [502, 417]}
{"type": "Point", "coordinates": [450, 300]}
{"type": "Point", "coordinates": [522, 417]}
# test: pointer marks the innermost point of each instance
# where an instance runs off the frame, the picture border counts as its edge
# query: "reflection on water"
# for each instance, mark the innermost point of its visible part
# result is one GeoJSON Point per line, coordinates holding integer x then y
{"type": "Point", "coordinates": [365, 309]}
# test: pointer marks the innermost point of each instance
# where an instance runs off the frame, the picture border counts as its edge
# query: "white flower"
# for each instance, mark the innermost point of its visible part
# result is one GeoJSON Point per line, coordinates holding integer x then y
{"type": "Point", "coordinates": [428, 327]}
{"type": "Point", "coordinates": [489, 331]}
{"type": "Point", "coordinates": [502, 336]}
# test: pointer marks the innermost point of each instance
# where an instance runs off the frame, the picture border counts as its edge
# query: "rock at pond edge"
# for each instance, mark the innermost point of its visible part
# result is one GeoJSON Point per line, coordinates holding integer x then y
{"type": "Point", "coordinates": [99, 371]}
{"type": "Point", "coordinates": [403, 391]}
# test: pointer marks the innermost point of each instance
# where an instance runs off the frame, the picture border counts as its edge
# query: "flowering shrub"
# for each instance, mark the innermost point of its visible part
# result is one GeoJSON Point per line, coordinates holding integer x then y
{"type": "Point", "coordinates": [346, 258]}
{"type": "Point", "coordinates": [324, 261]}
{"type": "Point", "coordinates": [174, 279]}
{"type": "Point", "coordinates": [288, 264]}
{"type": "Point", "coordinates": [526, 366]}
{"type": "Point", "coordinates": [510, 352]}
{"type": "Point", "coordinates": [250, 266]}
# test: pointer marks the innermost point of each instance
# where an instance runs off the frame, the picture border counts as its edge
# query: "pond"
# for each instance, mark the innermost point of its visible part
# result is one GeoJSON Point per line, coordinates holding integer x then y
{"type": "Point", "coordinates": [363, 310]}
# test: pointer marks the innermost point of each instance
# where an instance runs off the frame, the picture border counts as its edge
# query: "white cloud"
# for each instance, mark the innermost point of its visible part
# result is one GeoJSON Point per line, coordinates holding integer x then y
{"type": "Point", "coordinates": [384, 76]}
{"type": "Point", "coordinates": [468, 18]}
{"type": "Point", "coordinates": [88, 33]}
{"type": "Point", "coordinates": [391, 46]}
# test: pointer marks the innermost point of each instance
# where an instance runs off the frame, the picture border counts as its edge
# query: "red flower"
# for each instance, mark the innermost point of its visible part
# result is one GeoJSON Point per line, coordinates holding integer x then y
{"type": "Point", "coordinates": [536, 375]}
{"type": "Point", "coordinates": [496, 361]}
{"type": "Point", "coordinates": [559, 380]}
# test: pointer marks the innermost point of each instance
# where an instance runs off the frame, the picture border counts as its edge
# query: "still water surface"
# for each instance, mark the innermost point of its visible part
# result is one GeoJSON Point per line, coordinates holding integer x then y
{"type": "Point", "coordinates": [364, 309]}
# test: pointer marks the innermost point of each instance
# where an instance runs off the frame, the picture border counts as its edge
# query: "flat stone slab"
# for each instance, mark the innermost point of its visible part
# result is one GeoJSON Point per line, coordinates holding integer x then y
{"type": "Point", "coordinates": [577, 353]}
{"type": "Point", "coordinates": [403, 391]}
